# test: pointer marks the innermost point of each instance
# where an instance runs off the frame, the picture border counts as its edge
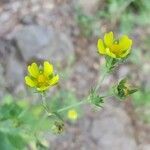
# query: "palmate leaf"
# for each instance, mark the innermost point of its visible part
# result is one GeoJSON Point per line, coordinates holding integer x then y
{"type": "Point", "coordinates": [110, 63]}
{"type": "Point", "coordinates": [14, 138]}
{"type": "Point", "coordinates": [16, 141]}
{"type": "Point", "coordinates": [4, 143]}
{"type": "Point", "coordinates": [11, 141]}
{"type": "Point", "coordinates": [96, 99]}
{"type": "Point", "coordinates": [18, 123]}
{"type": "Point", "coordinates": [11, 110]}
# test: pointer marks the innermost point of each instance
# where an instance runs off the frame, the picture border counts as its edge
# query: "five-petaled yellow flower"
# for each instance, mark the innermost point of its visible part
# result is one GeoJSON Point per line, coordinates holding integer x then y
{"type": "Point", "coordinates": [114, 48]}
{"type": "Point", "coordinates": [72, 114]}
{"type": "Point", "coordinates": [41, 77]}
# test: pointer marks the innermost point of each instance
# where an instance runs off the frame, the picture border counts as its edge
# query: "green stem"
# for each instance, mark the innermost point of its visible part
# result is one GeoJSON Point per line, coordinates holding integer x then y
{"type": "Point", "coordinates": [71, 106]}
{"type": "Point", "coordinates": [44, 104]}
{"type": "Point", "coordinates": [108, 96]}
{"type": "Point", "coordinates": [101, 80]}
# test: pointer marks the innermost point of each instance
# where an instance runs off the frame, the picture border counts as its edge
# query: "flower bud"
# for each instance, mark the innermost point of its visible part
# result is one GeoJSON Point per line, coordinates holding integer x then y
{"type": "Point", "coordinates": [72, 114]}
{"type": "Point", "coordinates": [58, 127]}
{"type": "Point", "coordinates": [124, 89]}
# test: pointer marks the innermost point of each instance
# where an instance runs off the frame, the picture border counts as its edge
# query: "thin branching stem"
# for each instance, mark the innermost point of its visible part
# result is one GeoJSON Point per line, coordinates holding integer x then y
{"type": "Point", "coordinates": [44, 104]}
{"type": "Point", "coordinates": [101, 80]}
{"type": "Point", "coordinates": [71, 106]}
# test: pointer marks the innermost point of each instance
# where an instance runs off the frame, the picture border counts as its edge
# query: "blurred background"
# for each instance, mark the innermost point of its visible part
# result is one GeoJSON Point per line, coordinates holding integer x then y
{"type": "Point", "coordinates": [65, 32]}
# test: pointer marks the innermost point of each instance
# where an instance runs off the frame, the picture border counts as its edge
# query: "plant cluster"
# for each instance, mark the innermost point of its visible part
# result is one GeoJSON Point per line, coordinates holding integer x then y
{"type": "Point", "coordinates": [41, 78]}
{"type": "Point", "coordinates": [22, 123]}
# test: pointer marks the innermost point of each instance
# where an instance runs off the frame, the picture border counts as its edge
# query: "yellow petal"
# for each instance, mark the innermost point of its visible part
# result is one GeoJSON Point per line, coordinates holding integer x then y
{"type": "Point", "coordinates": [54, 80]}
{"type": "Point", "coordinates": [42, 88]}
{"type": "Point", "coordinates": [125, 43]}
{"type": "Point", "coordinates": [109, 53]}
{"type": "Point", "coordinates": [33, 70]}
{"type": "Point", "coordinates": [125, 54]}
{"type": "Point", "coordinates": [48, 68]}
{"type": "Point", "coordinates": [72, 114]}
{"type": "Point", "coordinates": [108, 39]}
{"type": "Point", "coordinates": [29, 81]}
{"type": "Point", "coordinates": [101, 47]}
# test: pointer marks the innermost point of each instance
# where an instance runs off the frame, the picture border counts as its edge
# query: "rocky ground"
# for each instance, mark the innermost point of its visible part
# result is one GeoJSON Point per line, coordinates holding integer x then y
{"type": "Point", "coordinates": [35, 30]}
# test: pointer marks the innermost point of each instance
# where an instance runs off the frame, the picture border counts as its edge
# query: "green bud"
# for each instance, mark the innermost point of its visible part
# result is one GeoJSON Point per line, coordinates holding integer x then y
{"type": "Point", "coordinates": [124, 89]}
{"type": "Point", "coordinates": [58, 127]}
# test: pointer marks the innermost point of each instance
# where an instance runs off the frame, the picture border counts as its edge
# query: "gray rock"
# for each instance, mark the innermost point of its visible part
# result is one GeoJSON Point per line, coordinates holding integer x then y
{"type": "Point", "coordinates": [28, 20]}
{"type": "Point", "coordinates": [59, 50]}
{"type": "Point", "coordinates": [31, 39]}
{"type": "Point", "coordinates": [123, 71]}
{"type": "Point", "coordinates": [2, 82]}
{"type": "Point", "coordinates": [4, 1]}
{"type": "Point", "coordinates": [43, 43]}
{"type": "Point", "coordinates": [144, 147]}
{"type": "Point", "coordinates": [5, 50]}
{"type": "Point", "coordinates": [14, 72]}
{"type": "Point", "coordinates": [113, 130]}
{"type": "Point", "coordinates": [88, 7]}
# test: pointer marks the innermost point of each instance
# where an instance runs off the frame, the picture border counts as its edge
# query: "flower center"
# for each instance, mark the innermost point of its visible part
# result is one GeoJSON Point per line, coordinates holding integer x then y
{"type": "Point", "coordinates": [42, 80]}
{"type": "Point", "coordinates": [115, 48]}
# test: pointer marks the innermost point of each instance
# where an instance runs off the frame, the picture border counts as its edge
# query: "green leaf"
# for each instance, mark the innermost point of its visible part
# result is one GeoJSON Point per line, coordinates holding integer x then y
{"type": "Point", "coordinates": [96, 99]}
{"type": "Point", "coordinates": [10, 110]}
{"type": "Point", "coordinates": [16, 141]}
{"type": "Point", "coordinates": [110, 63]}
{"type": "Point", "coordinates": [4, 143]}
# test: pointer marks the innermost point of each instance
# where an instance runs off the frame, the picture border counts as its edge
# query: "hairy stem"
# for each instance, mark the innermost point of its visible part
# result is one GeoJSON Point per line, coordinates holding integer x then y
{"type": "Point", "coordinates": [101, 80]}
{"type": "Point", "coordinates": [71, 106]}
{"type": "Point", "coordinates": [44, 104]}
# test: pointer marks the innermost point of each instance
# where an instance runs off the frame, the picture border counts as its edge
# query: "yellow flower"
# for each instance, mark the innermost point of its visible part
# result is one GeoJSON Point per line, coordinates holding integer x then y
{"type": "Point", "coordinates": [72, 114]}
{"type": "Point", "coordinates": [41, 77]}
{"type": "Point", "coordinates": [114, 48]}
